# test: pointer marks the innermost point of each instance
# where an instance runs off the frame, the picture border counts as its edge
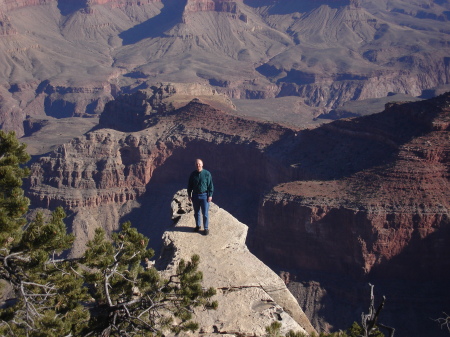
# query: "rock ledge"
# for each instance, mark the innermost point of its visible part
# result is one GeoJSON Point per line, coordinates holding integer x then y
{"type": "Point", "coordinates": [250, 295]}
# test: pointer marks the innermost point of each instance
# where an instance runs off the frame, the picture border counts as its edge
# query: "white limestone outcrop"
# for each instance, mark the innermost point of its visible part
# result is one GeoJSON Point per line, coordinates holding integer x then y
{"type": "Point", "coordinates": [250, 295]}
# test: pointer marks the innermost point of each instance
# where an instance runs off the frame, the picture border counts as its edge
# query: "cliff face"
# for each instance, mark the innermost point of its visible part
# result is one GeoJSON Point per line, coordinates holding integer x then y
{"type": "Point", "coordinates": [138, 111]}
{"type": "Point", "coordinates": [364, 198]}
{"type": "Point", "coordinates": [388, 214]}
{"type": "Point", "coordinates": [8, 5]}
{"type": "Point", "coordinates": [108, 167]}
{"type": "Point", "coordinates": [228, 6]}
{"type": "Point", "coordinates": [378, 183]}
{"type": "Point", "coordinates": [324, 52]}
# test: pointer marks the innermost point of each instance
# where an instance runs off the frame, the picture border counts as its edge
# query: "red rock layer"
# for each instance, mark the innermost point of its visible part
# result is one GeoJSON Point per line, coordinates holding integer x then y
{"type": "Point", "coordinates": [229, 6]}
{"type": "Point", "coordinates": [390, 219]}
{"type": "Point", "coordinates": [109, 166]}
{"type": "Point", "coordinates": [371, 195]}
{"type": "Point", "coordinates": [7, 5]}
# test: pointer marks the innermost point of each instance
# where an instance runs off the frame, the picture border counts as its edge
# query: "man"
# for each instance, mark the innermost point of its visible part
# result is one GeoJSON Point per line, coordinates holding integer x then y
{"type": "Point", "coordinates": [200, 190]}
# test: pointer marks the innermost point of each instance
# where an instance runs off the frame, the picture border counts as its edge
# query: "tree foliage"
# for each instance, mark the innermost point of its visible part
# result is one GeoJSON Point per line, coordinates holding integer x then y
{"type": "Point", "coordinates": [110, 291]}
{"type": "Point", "coordinates": [13, 203]}
{"type": "Point", "coordinates": [47, 291]}
{"type": "Point", "coordinates": [132, 298]}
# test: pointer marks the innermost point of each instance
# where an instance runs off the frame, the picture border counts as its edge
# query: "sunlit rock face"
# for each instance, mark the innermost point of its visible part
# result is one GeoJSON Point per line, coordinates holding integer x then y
{"type": "Point", "coordinates": [69, 58]}
{"type": "Point", "coordinates": [379, 183]}
{"type": "Point", "coordinates": [364, 198]}
{"type": "Point", "coordinates": [114, 169]}
{"type": "Point", "coordinates": [249, 294]}
{"type": "Point", "coordinates": [211, 5]}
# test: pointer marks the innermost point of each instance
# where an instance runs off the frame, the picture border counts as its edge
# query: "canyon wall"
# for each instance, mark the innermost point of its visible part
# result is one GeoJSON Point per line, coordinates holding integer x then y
{"type": "Point", "coordinates": [324, 52]}
{"type": "Point", "coordinates": [371, 205]}
{"type": "Point", "coordinates": [363, 199]}
{"type": "Point", "coordinates": [378, 183]}
{"type": "Point", "coordinates": [393, 211]}
{"type": "Point", "coordinates": [109, 167]}
{"type": "Point", "coordinates": [228, 6]}
{"type": "Point", "coordinates": [8, 5]}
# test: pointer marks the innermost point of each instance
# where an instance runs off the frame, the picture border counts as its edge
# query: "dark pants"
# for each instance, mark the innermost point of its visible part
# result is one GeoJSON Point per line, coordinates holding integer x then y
{"type": "Point", "coordinates": [201, 205]}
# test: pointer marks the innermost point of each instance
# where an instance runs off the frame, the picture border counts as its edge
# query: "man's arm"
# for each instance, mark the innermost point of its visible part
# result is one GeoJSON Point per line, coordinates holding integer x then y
{"type": "Point", "coordinates": [210, 188]}
{"type": "Point", "coordinates": [189, 188]}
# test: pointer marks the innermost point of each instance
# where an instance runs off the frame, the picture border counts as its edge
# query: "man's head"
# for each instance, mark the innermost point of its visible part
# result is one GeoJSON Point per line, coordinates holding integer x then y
{"type": "Point", "coordinates": [199, 165]}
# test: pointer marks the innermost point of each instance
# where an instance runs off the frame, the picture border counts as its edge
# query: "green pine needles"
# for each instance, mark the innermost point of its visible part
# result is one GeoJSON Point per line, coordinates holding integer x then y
{"type": "Point", "coordinates": [112, 290]}
{"type": "Point", "coordinates": [131, 299]}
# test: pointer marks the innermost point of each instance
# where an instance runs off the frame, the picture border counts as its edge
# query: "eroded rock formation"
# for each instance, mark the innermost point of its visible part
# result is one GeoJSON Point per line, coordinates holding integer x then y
{"type": "Point", "coordinates": [108, 167]}
{"type": "Point", "coordinates": [8, 5]}
{"type": "Point", "coordinates": [390, 212]}
{"type": "Point", "coordinates": [364, 198]}
{"type": "Point", "coordinates": [138, 111]}
{"type": "Point", "coordinates": [325, 52]}
{"type": "Point", "coordinates": [229, 6]}
{"type": "Point", "coordinates": [250, 295]}
{"type": "Point", "coordinates": [380, 181]}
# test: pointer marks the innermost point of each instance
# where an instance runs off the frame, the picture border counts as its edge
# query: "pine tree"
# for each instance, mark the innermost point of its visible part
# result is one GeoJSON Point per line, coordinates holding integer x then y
{"type": "Point", "coordinates": [110, 291]}
{"type": "Point", "coordinates": [48, 291]}
{"type": "Point", "coordinates": [131, 297]}
{"type": "Point", "coordinates": [13, 203]}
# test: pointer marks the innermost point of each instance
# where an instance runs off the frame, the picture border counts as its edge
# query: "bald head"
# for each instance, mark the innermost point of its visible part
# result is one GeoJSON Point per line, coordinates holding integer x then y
{"type": "Point", "coordinates": [199, 165]}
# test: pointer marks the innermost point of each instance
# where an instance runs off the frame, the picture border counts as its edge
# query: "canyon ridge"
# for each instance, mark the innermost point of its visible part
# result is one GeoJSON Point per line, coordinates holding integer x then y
{"type": "Point", "coordinates": [63, 58]}
{"type": "Point", "coordinates": [353, 201]}
{"type": "Point", "coordinates": [325, 124]}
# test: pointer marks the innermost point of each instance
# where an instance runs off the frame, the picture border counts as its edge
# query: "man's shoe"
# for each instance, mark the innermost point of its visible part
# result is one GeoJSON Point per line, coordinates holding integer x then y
{"type": "Point", "coordinates": [206, 232]}
{"type": "Point", "coordinates": [196, 229]}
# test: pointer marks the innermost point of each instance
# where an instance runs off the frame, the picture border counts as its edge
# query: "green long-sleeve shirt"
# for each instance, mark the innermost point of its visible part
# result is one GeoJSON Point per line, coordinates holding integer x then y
{"type": "Point", "coordinates": [200, 182]}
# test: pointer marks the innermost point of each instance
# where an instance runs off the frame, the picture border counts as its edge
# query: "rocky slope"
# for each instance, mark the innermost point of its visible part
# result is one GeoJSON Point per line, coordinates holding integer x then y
{"type": "Point", "coordinates": [362, 199]}
{"type": "Point", "coordinates": [62, 58]}
{"type": "Point", "coordinates": [250, 295]}
{"type": "Point", "coordinates": [387, 211]}
{"type": "Point", "coordinates": [372, 205]}
{"type": "Point", "coordinates": [112, 169]}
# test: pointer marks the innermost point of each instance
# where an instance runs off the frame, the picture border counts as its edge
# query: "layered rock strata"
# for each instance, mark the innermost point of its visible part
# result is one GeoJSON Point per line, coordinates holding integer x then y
{"type": "Point", "coordinates": [229, 6]}
{"type": "Point", "coordinates": [108, 167]}
{"type": "Point", "coordinates": [92, 168]}
{"type": "Point", "coordinates": [381, 181]}
{"type": "Point", "coordinates": [16, 4]}
{"type": "Point", "coordinates": [250, 295]}
{"type": "Point", "coordinates": [364, 197]}
{"type": "Point", "coordinates": [325, 52]}
{"type": "Point", "coordinates": [387, 219]}
{"type": "Point", "coordinates": [136, 111]}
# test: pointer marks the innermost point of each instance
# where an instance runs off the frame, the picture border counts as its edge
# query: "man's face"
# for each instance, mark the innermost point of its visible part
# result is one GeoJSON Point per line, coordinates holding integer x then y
{"type": "Point", "coordinates": [199, 165]}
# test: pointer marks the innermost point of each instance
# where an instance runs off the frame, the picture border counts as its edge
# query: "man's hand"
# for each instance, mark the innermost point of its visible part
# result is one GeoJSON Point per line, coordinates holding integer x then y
{"type": "Point", "coordinates": [209, 199]}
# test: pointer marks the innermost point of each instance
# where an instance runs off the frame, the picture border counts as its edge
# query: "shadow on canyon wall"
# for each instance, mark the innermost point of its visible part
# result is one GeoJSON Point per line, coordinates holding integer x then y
{"type": "Point", "coordinates": [240, 179]}
{"type": "Point", "coordinates": [331, 300]}
{"type": "Point", "coordinates": [170, 15]}
{"type": "Point", "coordinates": [241, 175]}
{"type": "Point", "coordinates": [433, 246]}
{"type": "Point", "coordinates": [67, 7]}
